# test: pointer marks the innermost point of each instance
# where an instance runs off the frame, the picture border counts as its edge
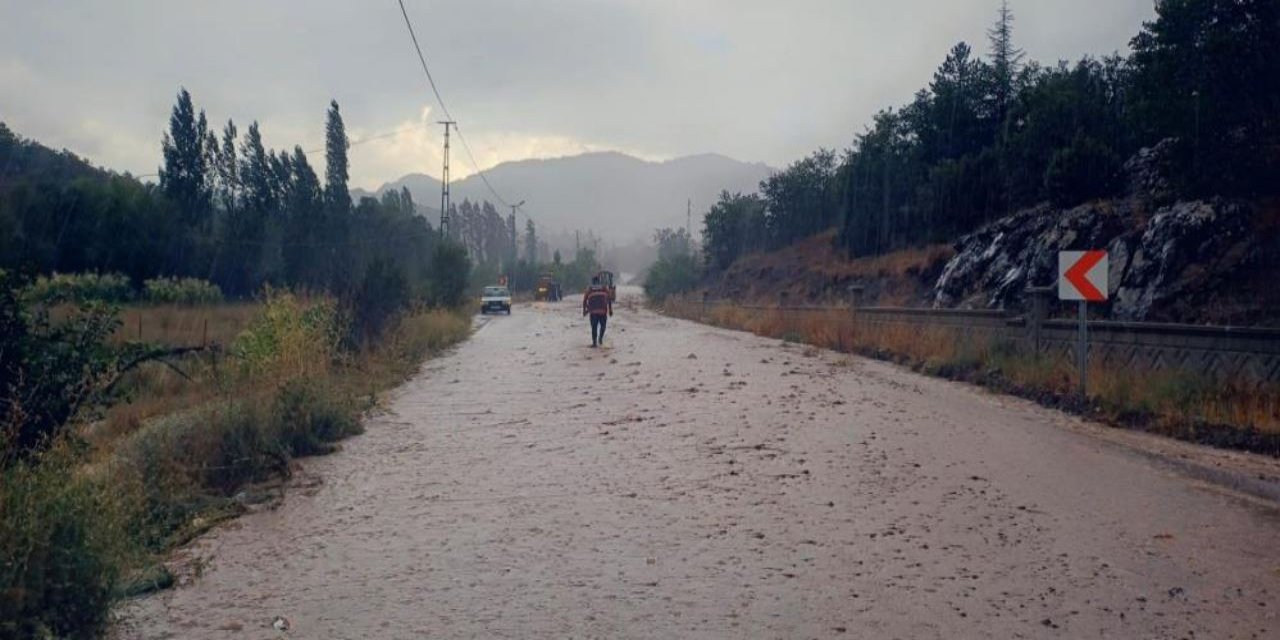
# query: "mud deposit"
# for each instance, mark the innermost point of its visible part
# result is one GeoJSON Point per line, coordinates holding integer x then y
{"type": "Point", "coordinates": [689, 482]}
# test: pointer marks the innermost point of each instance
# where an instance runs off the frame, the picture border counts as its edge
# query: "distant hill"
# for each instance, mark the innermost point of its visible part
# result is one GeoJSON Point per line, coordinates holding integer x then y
{"type": "Point", "coordinates": [22, 159]}
{"type": "Point", "coordinates": [618, 196]}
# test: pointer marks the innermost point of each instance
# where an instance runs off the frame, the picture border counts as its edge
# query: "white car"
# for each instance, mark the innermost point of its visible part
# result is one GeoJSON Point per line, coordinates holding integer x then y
{"type": "Point", "coordinates": [495, 299]}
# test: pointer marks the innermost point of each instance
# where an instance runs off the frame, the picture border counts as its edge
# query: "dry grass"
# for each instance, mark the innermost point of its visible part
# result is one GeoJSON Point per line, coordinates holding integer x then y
{"type": "Point", "coordinates": [185, 326]}
{"type": "Point", "coordinates": [819, 254]}
{"type": "Point", "coordinates": [169, 463]}
{"type": "Point", "coordinates": [398, 356]}
{"type": "Point", "coordinates": [815, 268]}
{"type": "Point", "coordinates": [1169, 400]}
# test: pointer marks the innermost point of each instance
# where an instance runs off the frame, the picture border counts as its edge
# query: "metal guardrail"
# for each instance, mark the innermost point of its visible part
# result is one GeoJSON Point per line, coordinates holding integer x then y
{"type": "Point", "coordinates": [1243, 353]}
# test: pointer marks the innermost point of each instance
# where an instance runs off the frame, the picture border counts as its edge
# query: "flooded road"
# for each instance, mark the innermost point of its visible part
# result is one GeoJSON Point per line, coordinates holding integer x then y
{"type": "Point", "coordinates": [690, 482]}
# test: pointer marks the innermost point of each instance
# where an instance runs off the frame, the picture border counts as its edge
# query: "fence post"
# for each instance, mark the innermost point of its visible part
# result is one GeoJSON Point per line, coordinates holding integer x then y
{"type": "Point", "coordinates": [1038, 311]}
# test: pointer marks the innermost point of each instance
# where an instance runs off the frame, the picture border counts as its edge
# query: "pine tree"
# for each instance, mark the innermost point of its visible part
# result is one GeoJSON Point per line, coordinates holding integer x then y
{"type": "Point", "coordinates": [1006, 61]}
{"type": "Point", "coordinates": [336, 194]}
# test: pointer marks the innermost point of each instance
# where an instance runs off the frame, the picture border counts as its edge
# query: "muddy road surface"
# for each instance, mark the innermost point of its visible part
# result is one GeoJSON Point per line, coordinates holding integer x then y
{"type": "Point", "coordinates": [689, 482]}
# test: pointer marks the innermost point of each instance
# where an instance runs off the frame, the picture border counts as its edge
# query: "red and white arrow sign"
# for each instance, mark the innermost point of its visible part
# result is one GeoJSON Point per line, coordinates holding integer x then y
{"type": "Point", "coordinates": [1082, 275]}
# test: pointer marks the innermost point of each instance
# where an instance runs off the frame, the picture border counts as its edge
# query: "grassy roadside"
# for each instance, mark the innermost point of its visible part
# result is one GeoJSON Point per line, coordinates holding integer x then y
{"type": "Point", "coordinates": [1177, 404]}
{"type": "Point", "coordinates": [89, 521]}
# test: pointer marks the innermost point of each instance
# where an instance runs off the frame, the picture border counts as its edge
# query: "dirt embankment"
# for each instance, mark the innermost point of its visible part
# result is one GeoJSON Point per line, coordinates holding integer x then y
{"type": "Point", "coordinates": [816, 271]}
{"type": "Point", "coordinates": [1201, 262]}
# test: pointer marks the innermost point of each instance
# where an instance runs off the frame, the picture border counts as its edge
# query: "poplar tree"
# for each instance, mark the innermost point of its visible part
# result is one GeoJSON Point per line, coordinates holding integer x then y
{"type": "Point", "coordinates": [336, 194]}
{"type": "Point", "coordinates": [184, 177]}
{"type": "Point", "coordinates": [531, 243]}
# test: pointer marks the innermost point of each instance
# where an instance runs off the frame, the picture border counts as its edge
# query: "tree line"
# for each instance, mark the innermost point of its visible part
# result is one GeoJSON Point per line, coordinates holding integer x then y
{"type": "Point", "coordinates": [990, 136]}
{"type": "Point", "coordinates": [226, 209]}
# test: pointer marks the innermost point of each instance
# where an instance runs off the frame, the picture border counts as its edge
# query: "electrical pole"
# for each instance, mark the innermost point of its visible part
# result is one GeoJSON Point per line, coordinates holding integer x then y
{"type": "Point", "coordinates": [444, 182]}
{"type": "Point", "coordinates": [511, 224]}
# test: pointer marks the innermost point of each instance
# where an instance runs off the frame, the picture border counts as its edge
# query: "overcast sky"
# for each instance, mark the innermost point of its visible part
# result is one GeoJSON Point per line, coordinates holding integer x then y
{"type": "Point", "coordinates": [755, 80]}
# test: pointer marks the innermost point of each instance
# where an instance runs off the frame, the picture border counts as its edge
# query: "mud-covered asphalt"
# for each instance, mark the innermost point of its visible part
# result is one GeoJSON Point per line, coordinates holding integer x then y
{"type": "Point", "coordinates": [690, 482]}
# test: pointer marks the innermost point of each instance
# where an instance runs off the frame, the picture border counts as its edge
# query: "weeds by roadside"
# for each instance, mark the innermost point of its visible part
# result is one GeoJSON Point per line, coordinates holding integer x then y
{"type": "Point", "coordinates": [1172, 402]}
{"type": "Point", "coordinates": [86, 521]}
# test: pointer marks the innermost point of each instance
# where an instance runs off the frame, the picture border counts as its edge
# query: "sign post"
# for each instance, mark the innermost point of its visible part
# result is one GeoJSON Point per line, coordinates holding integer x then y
{"type": "Point", "coordinates": [1082, 276]}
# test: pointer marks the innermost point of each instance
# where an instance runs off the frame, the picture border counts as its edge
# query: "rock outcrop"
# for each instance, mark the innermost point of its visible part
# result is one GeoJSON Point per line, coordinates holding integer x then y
{"type": "Point", "coordinates": [1167, 258]}
{"type": "Point", "coordinates": [1185, 253]}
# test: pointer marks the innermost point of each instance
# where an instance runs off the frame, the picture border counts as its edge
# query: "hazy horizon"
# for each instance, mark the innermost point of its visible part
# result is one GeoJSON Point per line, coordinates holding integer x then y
{"type": "Point", "coordinates": [655, 80]}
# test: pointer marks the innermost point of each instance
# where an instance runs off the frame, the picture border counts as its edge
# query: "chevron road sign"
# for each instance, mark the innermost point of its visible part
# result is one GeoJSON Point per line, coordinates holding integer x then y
{"type": "Point", "coordinates": [1082, 275]}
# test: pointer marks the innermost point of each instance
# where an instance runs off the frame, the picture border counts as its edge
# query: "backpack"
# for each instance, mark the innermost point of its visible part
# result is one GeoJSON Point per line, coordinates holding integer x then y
{"type": "Point", "coordinates": [598, 300]}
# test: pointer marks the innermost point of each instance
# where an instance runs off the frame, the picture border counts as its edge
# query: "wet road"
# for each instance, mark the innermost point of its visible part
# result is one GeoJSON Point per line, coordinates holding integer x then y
{"type": "Point", "coordinates": [689, 482]}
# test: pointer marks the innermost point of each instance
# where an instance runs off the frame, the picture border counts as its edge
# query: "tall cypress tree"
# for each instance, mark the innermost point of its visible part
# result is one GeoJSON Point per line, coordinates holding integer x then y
{"type": "Point", "coordinates": [336, 193]}
{"type": "Point", "coordinates": [336, 232]}
{"type": "Point", "coordinates": [531, 243]}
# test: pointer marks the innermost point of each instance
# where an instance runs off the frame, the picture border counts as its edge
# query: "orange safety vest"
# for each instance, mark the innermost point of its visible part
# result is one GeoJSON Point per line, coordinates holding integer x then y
{"type": "Point", "coordinates": [596, 301]}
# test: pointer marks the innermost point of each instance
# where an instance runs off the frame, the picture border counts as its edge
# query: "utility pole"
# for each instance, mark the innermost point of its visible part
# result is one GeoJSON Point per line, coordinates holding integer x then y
{"type": "Point", "coordinates": [444, 182]}
{"type": "Point", "coordinates": [511, 228]}
{"type": "Point", "coordinates": [688, 217]}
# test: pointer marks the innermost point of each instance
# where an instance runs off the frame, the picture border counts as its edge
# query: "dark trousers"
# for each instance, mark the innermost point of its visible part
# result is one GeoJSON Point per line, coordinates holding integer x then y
{"type": "Point", "coordinates": [598, 323]}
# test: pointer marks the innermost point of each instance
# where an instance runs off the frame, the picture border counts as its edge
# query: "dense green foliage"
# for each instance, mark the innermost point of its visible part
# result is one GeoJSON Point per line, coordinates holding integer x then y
{"type": "Point", "coordinates": [188, 291]}
{"type": "Point", "coordinates": [987, 137]}
{"type": "Point", "coordinates": [677, 269]}
{"type": "Point", "coordinates": [49, 371]}
{"type": "Point", "coordinates": [81, 287]}
{"type": "Point", "coordinates": [59, 537]}
{"type": "Point", "coordinates": [227, 210]}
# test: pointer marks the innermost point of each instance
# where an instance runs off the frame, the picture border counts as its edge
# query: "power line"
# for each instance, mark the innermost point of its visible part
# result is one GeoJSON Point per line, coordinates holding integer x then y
{"type": "Point", "coordinates": [449, 116]}
{"type": "Point", "coordinates": [421, 58]}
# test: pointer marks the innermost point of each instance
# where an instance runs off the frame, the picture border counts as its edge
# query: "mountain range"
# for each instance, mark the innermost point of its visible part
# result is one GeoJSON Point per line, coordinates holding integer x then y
{"type": "Point", "coordinates": [617, 196]}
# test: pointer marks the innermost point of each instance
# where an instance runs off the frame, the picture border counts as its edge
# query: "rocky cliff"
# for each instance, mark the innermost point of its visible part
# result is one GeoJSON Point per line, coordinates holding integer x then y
{"type": "Point", "coordinates": [1180, 261]}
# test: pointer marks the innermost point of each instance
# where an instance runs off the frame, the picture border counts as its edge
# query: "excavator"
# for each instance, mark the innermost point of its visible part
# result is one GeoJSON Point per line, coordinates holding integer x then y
{"type": "Point", "coordinates": [606, 280]}
{"type": "Point", "coordinates": [548, 289]}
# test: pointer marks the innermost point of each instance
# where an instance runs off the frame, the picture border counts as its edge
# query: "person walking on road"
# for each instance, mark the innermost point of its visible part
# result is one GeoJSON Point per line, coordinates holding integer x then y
{"type": "Point", "coordinates": [597, 303]}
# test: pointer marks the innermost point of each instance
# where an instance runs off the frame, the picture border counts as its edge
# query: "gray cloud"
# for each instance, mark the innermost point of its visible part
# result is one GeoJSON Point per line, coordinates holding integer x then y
{"type": "Point", "coordinates": [764, 81]}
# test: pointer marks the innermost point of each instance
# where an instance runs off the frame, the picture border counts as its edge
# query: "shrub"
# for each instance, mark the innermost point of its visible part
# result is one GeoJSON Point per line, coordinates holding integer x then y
{"type": "Point", "coordinates": [450, 272]}
{"type": "Point", "coordinates": [183, 291]}
{"type": "Point", "coordinates": [80, 288]}
{"type": "Point", "coordinates": [290, 339]}
{"type": "Point", "coordinates": [382, 294]}
{"type": "Point", "coordinates": [671, 276]}
{"type": "Point", "coordinates": [61, 550]}
{"type": "Point", "coordinates": [309, 417]}
{"type": "Point", "coordinates": [49, 371]}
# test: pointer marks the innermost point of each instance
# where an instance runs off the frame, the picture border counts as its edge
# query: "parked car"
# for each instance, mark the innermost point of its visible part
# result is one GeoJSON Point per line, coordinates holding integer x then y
{"type": "Point", "coordinates": [495, 299]}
